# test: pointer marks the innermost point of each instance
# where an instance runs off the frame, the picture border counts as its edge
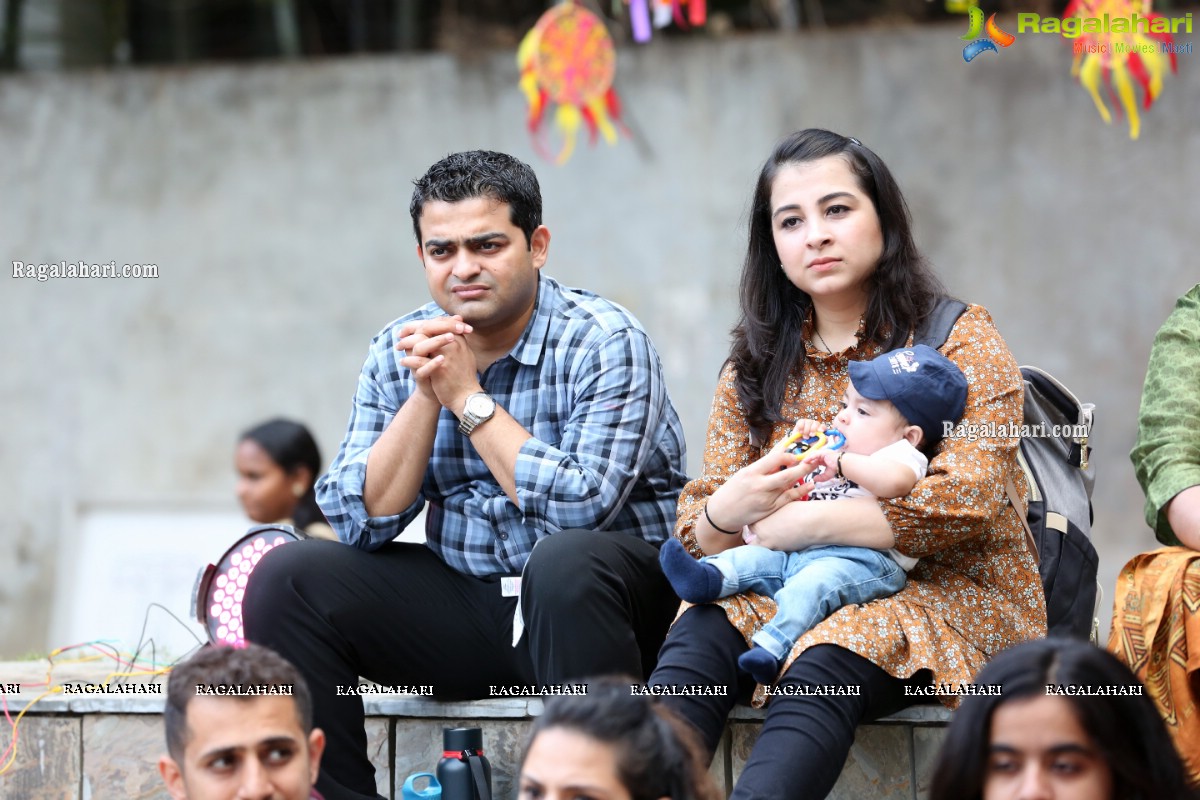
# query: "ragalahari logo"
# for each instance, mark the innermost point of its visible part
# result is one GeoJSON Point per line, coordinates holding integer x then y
{"type": "Point", "coordinates": [995, 35]}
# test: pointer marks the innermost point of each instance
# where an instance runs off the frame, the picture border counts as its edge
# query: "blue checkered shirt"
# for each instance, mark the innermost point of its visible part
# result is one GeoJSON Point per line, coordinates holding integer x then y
{"type": "Point", "coordinates": [606, 450]}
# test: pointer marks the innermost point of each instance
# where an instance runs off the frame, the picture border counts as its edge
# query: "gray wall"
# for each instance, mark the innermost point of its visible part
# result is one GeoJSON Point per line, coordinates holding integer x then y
{"type": "Point", "coordinates": [273, 199]}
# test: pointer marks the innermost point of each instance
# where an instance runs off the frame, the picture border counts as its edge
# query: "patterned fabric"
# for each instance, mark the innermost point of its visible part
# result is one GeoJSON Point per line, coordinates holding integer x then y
{"type": "Point", "coordinates": [1166, 456]}
{"type": "Point", "coordinates": [1158, 593]}
{"type": "Point", "coordinates": [606, 453]}
{"type": "Point", "coordinates": [1154, 617]}
{"type": "Point", "coordinates": [976, 589]}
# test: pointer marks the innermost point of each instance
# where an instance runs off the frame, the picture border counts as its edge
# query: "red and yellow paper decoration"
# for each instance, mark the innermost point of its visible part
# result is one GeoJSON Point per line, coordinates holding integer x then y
{"type": "Point", "coordinates": [568, 58]}
{"type": "Point", "coordinates": [1140, 58]}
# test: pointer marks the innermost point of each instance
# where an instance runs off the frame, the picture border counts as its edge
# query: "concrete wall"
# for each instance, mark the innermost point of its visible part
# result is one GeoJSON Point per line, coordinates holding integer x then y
{"type": "Point", "coordinates": [273, 200]}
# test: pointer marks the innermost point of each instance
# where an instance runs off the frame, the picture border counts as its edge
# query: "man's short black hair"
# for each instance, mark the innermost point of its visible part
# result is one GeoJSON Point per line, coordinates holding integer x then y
{"type": "Point", "coordinates": [251, 665]}
{"type": "Point", "coordinates": [481, 173]}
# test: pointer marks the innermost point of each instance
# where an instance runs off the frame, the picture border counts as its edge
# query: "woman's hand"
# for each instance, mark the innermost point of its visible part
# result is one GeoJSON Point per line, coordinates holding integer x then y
{"type": "Point", "coordinates": [759, 490]}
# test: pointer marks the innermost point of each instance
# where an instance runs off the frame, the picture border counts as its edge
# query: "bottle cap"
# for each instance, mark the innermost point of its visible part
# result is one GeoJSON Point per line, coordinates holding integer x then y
{"type": "Point", "coordinates": [462, 738]}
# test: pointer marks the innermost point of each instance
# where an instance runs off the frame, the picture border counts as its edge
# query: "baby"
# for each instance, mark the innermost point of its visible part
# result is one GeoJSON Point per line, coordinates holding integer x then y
{"type": "Point", "coordinates": [894, 407]}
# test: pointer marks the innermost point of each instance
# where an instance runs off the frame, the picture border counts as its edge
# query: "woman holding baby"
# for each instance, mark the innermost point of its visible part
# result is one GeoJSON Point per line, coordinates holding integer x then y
{"type": "Point", "coordinates": [832, 276]}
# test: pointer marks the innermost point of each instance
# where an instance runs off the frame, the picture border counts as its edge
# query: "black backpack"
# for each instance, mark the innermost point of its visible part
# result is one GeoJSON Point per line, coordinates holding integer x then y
{"type": "Point", "coordinates": [1058, 520]}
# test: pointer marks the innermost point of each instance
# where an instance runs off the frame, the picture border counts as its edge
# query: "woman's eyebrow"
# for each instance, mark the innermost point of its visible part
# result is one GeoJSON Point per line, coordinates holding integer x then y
{"type": "Point", "coordinates": [822, 201]}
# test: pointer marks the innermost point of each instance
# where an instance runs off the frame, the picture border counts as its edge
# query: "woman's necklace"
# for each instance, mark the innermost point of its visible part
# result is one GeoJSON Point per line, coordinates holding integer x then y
{"type": "Point", "coordinates": [822, 340]}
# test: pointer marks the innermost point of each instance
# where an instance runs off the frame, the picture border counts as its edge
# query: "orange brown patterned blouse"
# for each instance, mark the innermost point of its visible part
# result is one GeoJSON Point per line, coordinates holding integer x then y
{"type": "Point", "coordinates": [975, 590]}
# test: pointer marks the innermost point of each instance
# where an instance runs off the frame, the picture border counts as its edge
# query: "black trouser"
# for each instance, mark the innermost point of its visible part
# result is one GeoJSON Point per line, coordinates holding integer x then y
{"type": "Point", "coordinates": [593, 602]}
{"type": "Point", "coordinates": [805, 739]}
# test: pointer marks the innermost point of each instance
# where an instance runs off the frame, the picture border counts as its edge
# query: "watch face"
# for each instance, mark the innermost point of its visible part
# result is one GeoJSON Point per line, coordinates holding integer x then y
{"type": "Point", "coordinates": [480, 405]}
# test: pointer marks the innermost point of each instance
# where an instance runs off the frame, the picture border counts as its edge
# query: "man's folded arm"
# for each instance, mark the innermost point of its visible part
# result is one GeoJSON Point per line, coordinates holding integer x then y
{"type": "Point", "coordinates": [340, 492]}
{"type": "Point", "coordinates": [619, 401]}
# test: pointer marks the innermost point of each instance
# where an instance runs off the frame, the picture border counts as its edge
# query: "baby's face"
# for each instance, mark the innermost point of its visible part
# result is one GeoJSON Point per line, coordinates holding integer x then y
{"type": "Point", "coordinates": [867, 424]}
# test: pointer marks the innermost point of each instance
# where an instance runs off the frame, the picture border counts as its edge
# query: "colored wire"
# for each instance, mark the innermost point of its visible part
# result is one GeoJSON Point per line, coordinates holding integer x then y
{"type": "Point", "coordinates": [133, 664]}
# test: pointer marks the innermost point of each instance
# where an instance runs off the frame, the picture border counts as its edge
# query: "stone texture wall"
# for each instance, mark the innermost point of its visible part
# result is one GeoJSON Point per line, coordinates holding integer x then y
{"type": "Point", "coordinates": [107, 746]}
{"type": "Point", "coordinates": [273, 200]}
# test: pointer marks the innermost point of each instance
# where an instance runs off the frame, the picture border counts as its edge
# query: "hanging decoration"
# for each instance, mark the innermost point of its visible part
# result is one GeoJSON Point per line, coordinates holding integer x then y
{"type": "Point", "coordinates": [644, 14]}
{"type": "Point", "coordinates": [568, 59]}
{"type": "Point", "coordinates": [1139, 50]}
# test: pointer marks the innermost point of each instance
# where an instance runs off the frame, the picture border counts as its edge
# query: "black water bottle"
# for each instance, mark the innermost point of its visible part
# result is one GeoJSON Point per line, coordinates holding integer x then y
{"type": "Point", "coordinates": [463, 771]}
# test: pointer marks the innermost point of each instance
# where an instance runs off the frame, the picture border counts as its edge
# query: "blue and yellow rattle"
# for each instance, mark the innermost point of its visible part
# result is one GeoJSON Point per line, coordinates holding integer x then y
{"type": "Point", "coordinates": [801, 446]}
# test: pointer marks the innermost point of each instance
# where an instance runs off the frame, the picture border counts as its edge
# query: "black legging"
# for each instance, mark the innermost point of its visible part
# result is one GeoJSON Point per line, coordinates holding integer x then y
{"type": "Point", "coordinates": [594, 602]}
{"type": "Point", "coordinates": [805, 739]}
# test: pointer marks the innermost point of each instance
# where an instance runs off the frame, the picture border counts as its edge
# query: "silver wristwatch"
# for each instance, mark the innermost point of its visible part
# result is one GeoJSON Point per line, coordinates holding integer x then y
{"type": "Point", "coordinates": [478, 409]}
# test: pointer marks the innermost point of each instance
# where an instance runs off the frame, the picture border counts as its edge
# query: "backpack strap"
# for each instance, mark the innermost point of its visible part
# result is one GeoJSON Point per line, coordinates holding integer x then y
{"type": "Point", "coordinates": [933, 332]}
{"type": "Point", "coordinates": [937, 326]}
{"type": "Point", "coordinates": [1013, 497]}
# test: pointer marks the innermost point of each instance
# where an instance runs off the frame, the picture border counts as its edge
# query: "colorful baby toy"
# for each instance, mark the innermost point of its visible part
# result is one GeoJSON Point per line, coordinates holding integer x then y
{"type": "Point", "coordinates": [801, 446]}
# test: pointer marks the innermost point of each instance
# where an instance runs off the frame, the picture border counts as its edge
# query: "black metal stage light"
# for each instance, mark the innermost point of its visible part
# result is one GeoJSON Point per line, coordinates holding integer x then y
{"type": "Point", "coordinates": [217, 596]}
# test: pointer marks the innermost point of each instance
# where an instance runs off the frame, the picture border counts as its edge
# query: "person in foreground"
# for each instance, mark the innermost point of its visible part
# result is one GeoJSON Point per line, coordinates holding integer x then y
{"type": "Point", "coordinates": [233, 733]}
{"type": "Point", "coordinates": [893, 414]}
{"type": "Point", "coordinates": [533, 422]}
{"type": "Point", "coordinates": [1069, 722]}
{"type": "Point", "coordinates": [278, 462]}
{"type": "Point", "coordinates": [612, 745]}
{"type": "Point", "coordinates": [1156, 630]}
{"type": "Point", "coordinates": [832, 275]}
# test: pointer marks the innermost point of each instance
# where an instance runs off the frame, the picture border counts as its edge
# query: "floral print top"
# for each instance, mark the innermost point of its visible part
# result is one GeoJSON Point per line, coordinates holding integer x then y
{"type": "Point", "coordinates": [975, 590]}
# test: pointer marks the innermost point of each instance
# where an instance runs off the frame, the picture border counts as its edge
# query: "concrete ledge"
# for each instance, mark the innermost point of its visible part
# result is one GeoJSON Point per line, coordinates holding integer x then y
{"type": "Point", "coordinates": [426, 707]}
{"type": "Point", "coordinates": [405, 705]}
{"type": "Point", "coordinates": [105, 745]}
{"type": "Point", "coordinates": [931, 714]}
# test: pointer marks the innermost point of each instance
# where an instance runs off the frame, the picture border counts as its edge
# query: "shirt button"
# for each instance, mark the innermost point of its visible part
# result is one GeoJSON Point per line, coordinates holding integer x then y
{"type": "Point", "coordinates": [504, 536]}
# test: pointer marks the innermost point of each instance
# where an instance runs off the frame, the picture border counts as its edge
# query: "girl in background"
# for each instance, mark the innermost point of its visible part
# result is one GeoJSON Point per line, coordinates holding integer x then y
{"type": "Point", "coordinates": [277, 464]}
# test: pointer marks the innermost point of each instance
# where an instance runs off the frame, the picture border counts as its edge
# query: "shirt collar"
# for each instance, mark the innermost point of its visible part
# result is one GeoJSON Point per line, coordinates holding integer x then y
{"type": "Point", "coordinates": [528, 349]}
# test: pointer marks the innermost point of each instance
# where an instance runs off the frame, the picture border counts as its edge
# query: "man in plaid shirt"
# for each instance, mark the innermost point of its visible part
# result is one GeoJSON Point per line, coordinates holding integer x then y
{"type": "Point", "coordinates": [517, 412]}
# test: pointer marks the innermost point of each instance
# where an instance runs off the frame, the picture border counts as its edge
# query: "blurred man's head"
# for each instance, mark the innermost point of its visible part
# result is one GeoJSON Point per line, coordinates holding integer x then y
{"type": "Point", "coordinates": [233, 731]}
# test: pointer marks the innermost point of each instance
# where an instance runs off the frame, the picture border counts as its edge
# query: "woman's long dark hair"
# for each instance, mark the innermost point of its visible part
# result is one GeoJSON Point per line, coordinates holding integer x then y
{"type": "Point", "coordinates": [1126, 728]}
{"type": "Point", "coordinates": [658, 754]}
{"type": "Point", "coordinates": [290, 445]}
{"type": "Point", "coordinates": [767, 341]}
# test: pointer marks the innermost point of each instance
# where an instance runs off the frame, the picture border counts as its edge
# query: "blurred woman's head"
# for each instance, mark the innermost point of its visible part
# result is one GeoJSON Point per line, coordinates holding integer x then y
{"type": "Point", "coordinates": [278, 463]}
{"type": "Point", "coordinates": [612, 745]}
{"type": "Point", "coordinates": [1069, 723]}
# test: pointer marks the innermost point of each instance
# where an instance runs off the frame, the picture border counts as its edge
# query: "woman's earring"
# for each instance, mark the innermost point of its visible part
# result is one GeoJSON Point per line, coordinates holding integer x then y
{"type": "Point", "coordinates": [298, 489]}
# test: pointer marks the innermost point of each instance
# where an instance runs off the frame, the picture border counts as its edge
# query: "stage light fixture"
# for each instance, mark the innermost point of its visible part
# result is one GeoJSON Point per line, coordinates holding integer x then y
{"type": "Point", "coordinates": [217, 595]}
